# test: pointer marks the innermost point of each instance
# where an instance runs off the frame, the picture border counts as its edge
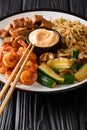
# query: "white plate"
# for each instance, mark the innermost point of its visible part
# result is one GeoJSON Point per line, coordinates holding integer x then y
{"type": "Point", "coordinates": [36, 87]}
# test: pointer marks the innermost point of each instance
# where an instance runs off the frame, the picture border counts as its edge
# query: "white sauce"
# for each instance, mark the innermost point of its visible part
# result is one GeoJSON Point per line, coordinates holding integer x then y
{"type": "Point", "coordinates": [43, 37]}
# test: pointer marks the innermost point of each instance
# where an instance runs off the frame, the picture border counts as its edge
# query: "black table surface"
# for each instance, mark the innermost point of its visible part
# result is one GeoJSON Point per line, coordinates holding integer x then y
{"type": "Point", "coordinates": [36, 111]}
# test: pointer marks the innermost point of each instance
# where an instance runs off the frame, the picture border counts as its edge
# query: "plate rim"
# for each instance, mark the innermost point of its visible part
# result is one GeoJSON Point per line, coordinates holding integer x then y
{"type": "Point", "coordinates": [48, 10]}
{"type": "Point", "coordinates": [53, 10]}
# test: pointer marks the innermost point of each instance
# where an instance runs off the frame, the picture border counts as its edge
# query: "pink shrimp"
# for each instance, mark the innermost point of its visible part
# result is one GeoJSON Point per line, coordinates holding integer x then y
{"type": "Point", "coordinates": [28, 77]}
{"type": "Point", "coordinates": [3, 68]}
{"type": "Point", "coordinates": [10, 59]}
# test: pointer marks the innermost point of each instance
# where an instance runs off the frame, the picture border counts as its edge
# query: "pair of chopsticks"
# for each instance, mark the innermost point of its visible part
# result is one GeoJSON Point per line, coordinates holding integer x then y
{"type": "Point", "coordinates": [21, 63]}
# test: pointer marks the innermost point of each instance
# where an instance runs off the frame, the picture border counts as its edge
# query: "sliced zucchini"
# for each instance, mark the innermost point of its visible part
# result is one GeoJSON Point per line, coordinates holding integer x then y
{"type": "Point", "coordinates": [81, 74]}
{"type": "Point", "coordinates": [74, 66]}
{"type": "Point", "coordinates": [60, 63]}
{"type": "Point", "coordinates": [69, 79]}
{"type": "Point", "coordinates": [46, 80]}
{"type": "Point", "coordinates": [48, 71]}
{"type": "Point", "coordinates": [75, 54]}
{"type": "Point", "coordinates": [56, 70]}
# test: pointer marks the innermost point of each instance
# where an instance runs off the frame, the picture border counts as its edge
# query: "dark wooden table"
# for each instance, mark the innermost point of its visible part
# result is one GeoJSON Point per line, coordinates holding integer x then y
{"type": "Point", "coordinates": [58, 111]}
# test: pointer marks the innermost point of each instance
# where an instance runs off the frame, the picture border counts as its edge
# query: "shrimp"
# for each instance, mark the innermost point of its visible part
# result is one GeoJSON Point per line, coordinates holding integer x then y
{"type": "Point", "coordinates": [8, 73]}
{"type": "Point", "coordinates": [21, 51]}
{"type": "Point", "coordinates": [30, 65]}
{"type": "Point", "coordinates": [7, 48]}
{"type": "Point", "coordinates": [28, 77]}
{"type": "Point", "coordinates": [22, 43]}
{"type": "Point", "coordinates": [1, 58]}
{"type": "Point", "coordinates": [33, 57]}
{"type": "Point", "coordinates": [10, 59]}
{"type": "Point", "coordinates": [3, 68]}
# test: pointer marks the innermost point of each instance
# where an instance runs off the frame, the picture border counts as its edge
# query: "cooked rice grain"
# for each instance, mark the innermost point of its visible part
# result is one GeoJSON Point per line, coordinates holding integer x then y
{"type": "Point", "coordinates": [73, 33]}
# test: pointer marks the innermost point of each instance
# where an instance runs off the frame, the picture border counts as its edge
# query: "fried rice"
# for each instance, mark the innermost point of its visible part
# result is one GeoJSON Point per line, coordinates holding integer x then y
{"type": "Point", "coordinates": [73, 33]}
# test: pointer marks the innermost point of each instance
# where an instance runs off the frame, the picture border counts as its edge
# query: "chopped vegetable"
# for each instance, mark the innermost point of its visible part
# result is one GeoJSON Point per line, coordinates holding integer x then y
{"type": "Point", "coordinates": [75, 54]}
{"type": "Point", "coordinates": [48, 71]}
{"type": "Point", "coordinates": [46, 80]}
{"type": "Point", "coordinates": [74, 66]}
{"type": "Point", "coordinates": [60, 63]}
{"type": "Point", "coordinates": [69, 79]}
{"type": "Point", "coordinates": [81, 74]}
{"type": "Point", "coordinates": [56, 70]}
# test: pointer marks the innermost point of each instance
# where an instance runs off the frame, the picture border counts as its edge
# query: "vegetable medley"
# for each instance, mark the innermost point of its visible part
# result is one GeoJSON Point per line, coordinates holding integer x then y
{"type": "Point", "coordinates": [67, 65]}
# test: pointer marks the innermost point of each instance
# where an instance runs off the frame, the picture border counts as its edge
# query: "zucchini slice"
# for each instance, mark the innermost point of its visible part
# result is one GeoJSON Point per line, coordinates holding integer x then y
{"type": "Point", "coordinates": [46, 80]}
{"type": "Point", "coordinates": [75, 54]}
{"type": "Point", "coordinates": [81, 74]}
{"type": "Point", "coordinates": [60, 63]}
{"type": "Point", "coordinates": [69, 79]}
{"type": "Point", "coordinates": [48, 71]}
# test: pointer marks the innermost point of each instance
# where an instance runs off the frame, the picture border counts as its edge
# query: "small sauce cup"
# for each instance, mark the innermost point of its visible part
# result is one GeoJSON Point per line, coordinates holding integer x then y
{"type": "Point", "coordinates": [45, 40]}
